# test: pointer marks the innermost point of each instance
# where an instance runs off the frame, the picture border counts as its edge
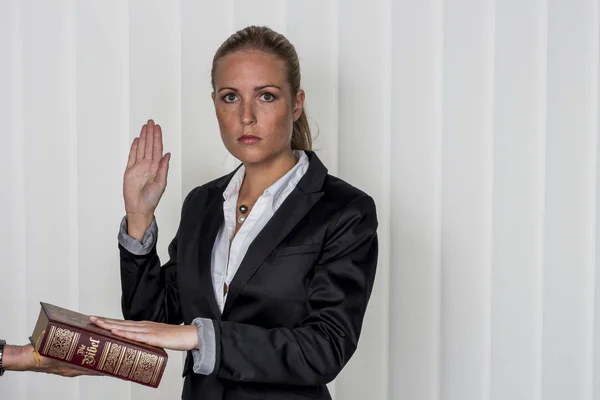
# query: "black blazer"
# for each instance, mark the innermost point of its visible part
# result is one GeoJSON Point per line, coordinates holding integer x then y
{"type": "Point", "coordinates": [295, 307]}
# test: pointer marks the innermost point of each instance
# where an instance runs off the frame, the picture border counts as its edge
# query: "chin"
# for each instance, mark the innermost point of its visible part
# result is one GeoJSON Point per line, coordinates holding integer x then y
{"type": "Point", "coordinates": [255, 154]}
{"type": "Point", "coordinates": [251, 155]}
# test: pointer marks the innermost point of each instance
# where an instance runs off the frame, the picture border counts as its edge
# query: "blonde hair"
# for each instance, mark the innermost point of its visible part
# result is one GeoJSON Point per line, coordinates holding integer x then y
{"type": "Point", "coordinates": [265, 39]}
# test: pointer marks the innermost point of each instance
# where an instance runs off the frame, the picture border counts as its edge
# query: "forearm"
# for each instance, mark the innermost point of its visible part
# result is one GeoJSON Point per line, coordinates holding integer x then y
{"type": "Point", "coordinates": [138, 224]}
{"type": "Point", "coordinates": [17, 358]}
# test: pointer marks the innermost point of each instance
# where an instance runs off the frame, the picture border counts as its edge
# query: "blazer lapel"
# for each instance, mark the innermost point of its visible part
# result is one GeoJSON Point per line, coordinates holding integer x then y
{"type": "Point", "coordinates": [288, 215]}
{"type": "Point", "coordinates": [212, 218]}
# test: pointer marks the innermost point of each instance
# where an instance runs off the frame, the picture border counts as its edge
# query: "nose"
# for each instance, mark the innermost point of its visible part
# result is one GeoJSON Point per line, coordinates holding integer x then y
{"type": "Point", "coordinates": [247, 116]}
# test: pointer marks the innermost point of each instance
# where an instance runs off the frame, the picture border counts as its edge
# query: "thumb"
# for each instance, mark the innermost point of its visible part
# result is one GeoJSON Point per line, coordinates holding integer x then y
{"type": "Point", "coordinates": [163, 168]}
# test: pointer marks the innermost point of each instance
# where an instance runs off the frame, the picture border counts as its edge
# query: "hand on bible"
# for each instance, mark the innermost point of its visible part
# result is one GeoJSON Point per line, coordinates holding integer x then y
{"type": "Point", "coordinates": [145, 178]}
{"type": "Point", "coordinates": [174, 337]}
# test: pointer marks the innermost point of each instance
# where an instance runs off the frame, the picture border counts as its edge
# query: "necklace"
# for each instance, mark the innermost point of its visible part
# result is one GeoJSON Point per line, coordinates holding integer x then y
{"type": "Point", "coordinates": [243, 209]}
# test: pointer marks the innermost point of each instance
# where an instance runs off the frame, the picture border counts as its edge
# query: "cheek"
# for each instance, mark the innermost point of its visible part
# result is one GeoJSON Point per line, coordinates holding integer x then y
{"type": "Point", "coordinates": [279, 121]}
{"type": "Point", "coordinates": [226, 118]}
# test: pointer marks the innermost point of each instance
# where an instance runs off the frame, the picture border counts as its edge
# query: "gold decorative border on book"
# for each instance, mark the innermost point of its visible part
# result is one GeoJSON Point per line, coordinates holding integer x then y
{"type": "Point", "coordinates": [73, 346]}
{"type": "Point", "coordinates": [120, 360]}
{"type": "Point", "coordinates": [135, 364]}
{"type": "Point", "coordinates": [104, 355]}
{"type": "Point", "coordinates": [49, 339]}
{"type": "Point", "coordinates": [112, 358]}
{"type": "Point", "coordinates": [61, 343]}
{"type": "Point", "coordinates": [128, 360]}
{"type": "Point", "coordinates": [145, 368]}
{"type": "Point", "coordinates": [157, 370]}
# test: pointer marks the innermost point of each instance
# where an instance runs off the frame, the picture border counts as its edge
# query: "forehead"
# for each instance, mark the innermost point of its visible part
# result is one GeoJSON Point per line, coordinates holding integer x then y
{"type": "Point", "coordinates": [249, 67]}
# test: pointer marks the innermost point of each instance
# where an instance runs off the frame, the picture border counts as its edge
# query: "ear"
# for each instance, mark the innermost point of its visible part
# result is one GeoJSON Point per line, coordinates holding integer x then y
{"type": "Point", "coordinates": [212, 95]}
{"type": "Point", "coordinates": [298, 104]}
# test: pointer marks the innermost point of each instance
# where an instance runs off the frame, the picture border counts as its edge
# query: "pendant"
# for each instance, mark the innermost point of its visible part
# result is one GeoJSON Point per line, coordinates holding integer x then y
{"type": "Point", "coordinates": [243, 209]}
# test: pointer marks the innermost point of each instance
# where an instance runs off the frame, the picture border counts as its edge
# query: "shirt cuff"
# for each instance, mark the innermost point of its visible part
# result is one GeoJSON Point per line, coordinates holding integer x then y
{"type": "Point", "coordinates": [134, 246]}
{"type": "Point", "coordinates": [205, 354]}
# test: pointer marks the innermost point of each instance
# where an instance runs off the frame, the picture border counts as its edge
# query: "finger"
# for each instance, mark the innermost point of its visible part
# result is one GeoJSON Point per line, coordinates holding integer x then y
{"type": "Point", "coordinates": [132, 153]}
{"type": "Point", "coordinates": [137, 336]}
{"type": "Point", "coordinates": [157, 150]}
{"type": "Point", "coordinates": [141, 146]}
{"type": "Point", "coordinates": [120, 324]}
{"type": "Point", "coordinates": [149, 140]}
{"type": "Point", "coordinates": [125, 328]}
{"type": "Point", "coordinates": [130, 328]}
{"type": "Point", "coordinates": [104, 322]}
{"type": "Point", "coordinates": [148, 338]}
{"type": "Point", "coordinates": [76, 370]}
{"type": "Point", "coordinates": [105, 319]}
{"type": "Point", "coordinates": [163, 169]}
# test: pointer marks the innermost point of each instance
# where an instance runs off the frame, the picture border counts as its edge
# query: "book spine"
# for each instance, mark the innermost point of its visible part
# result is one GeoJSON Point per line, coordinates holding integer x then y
{"type": "Point", "coordinates": [99, 353]}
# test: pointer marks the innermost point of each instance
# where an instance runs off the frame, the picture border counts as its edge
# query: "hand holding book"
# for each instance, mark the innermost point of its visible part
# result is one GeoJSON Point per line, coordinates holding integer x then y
{"type": "Point", "coordinates": [21, 358]}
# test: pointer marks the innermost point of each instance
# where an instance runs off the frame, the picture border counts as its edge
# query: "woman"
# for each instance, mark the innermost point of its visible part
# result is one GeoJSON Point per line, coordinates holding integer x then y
{"type": "Point", "coordinates": [272, 266]}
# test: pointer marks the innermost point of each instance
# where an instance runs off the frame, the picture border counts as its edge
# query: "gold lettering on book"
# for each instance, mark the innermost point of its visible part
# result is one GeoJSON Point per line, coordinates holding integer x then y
{"type": "Point", "coordinates": [61, 343]}
{"type": "Point", "coordinates": [89, 352]}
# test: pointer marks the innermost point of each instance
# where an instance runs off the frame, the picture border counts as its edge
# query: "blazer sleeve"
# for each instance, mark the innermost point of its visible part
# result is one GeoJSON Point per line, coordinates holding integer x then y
{"type": "Point", "coordinates": [315, 351]}
{"type": "Point", "coordinates": [149, 291]}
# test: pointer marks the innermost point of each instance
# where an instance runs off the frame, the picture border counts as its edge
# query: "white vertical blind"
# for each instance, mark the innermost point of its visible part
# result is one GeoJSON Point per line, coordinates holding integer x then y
{"type": "Point", "coordinates": [364, 160]}
{"type": "Point", "coordinates": [415, 200]}
{"type": "Point", "coordinates": [467, 172]}
{"type": "Point", "coordinates": [12, 178]}
{"type": "Point", "coordinates": [570, 217]}
{"type": "Point", "coordinates": [473, 124]}
{"type": "Point", "coordinates": [519, 173]}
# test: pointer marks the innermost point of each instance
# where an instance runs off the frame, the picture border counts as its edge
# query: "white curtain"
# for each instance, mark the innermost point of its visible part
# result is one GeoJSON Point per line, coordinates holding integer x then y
{"type": "Point", "coordinates": [473, 123]}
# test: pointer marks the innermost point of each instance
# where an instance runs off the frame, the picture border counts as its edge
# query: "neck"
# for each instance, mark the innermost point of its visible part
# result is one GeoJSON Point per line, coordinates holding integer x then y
{"type": "Point", "coordinates": [262, 175]}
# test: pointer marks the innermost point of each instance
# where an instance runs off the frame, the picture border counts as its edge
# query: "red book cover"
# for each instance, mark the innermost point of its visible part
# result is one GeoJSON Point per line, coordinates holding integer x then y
{"type": "Point", "coordinates": [71, 337]}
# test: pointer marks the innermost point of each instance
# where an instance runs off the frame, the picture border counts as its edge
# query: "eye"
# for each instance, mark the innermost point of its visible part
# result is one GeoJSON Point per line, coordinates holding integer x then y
{"type": "Point", "coordinates": [229, 98]}
{"type": "Point", "coordinates": [267, 97]}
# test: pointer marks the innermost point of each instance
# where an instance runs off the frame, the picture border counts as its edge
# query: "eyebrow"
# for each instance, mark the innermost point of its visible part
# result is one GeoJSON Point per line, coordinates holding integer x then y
{"type": "Point", "coordinates": [256, 89]}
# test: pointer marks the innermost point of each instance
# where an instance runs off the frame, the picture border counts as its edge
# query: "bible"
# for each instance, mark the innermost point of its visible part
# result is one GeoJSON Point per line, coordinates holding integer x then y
{"type": "Point", "coordinates": [71, 337]}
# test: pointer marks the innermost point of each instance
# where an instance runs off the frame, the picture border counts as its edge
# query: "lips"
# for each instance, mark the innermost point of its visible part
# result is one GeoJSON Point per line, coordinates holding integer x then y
{"type": "Point", "coordinates": [249, 139]}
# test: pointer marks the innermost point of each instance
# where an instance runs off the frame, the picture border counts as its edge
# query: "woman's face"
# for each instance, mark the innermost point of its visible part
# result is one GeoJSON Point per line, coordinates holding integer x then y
{"type": "Point", "coordinates": [254, 106]}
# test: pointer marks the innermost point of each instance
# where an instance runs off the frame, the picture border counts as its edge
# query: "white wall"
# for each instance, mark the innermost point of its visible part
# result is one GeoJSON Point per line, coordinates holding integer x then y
{"type": "Point", "coordinates": [473, 123]}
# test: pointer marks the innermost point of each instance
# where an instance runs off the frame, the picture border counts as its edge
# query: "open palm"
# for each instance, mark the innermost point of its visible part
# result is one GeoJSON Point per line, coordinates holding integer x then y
{"type": "Point", "coordinates": [145, 177]}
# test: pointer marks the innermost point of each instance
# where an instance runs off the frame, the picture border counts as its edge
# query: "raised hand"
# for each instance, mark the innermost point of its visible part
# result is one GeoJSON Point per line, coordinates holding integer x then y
{"type": "Point", "coordinates": [145, 179]}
